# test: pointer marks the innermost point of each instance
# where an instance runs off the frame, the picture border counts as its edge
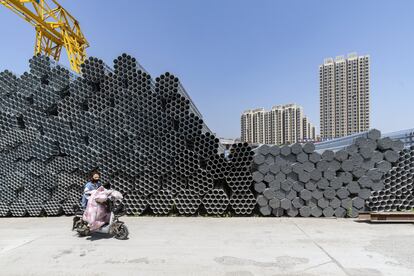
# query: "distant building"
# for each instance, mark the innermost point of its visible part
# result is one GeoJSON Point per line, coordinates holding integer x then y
{"type": "Point", "coordinates": [274, 129]}
{"type": "Point", "coordinates": [344, 95]}
{"type": "Point", "coordinates": [309, 132]}
{"type": "Point", "coordinates": [283, 124]}
{"type": "Point", "coordinates": [252, 125]}
{"type": "Point", "coordinates": [228, 142]}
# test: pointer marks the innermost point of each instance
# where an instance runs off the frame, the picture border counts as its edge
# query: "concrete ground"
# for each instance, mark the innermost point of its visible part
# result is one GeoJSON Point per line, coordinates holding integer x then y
{"type": "Point", "coordinates": [209, 246]}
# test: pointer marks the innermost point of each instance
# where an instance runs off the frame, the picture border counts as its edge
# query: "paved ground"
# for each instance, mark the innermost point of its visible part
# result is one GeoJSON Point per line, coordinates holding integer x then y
{"type": "Point", "coordinates": [209, 246]}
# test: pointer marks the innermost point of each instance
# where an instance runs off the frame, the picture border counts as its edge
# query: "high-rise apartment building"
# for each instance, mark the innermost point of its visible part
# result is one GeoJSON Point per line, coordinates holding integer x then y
{"type": "Point", "coordinates": [309, 131]}
{"type": "Point", "coordinates": [283, 124]}
{"type": "Point", "coordinates": [274, 126]}
{"type": "Point", "coordinates": [344, 95]}
{"type": "Point", "coordinates": [253, 124]}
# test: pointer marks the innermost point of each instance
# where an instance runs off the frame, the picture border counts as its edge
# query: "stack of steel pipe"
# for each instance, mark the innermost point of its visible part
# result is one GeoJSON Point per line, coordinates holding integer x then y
{"type": "Point", "coordinates": [135, 203]}
{"type": "Point", "coordinates": [297, 181]}
{"type": "Point", "coordinates": [149, 141]}
{"type": "Point", "coordinates": [398, 191]}
{"type": "Point", "coordinates": [187, 202]}
{"type": "Point", "coordinates": [216, 201]}
{"type": "Point", "coordinates": [145, 136]}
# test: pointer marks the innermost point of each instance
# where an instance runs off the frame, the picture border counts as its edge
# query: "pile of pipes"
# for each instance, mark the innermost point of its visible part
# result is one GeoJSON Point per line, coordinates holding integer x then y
{"type": "Point", "coordinates": [398, 192]}
{"type": "Point", "coordinates": [297, 181]}
{"type": "Point", "coordinates": [149, 142]}
{"type": "Point", "coordinates": [146, 138]}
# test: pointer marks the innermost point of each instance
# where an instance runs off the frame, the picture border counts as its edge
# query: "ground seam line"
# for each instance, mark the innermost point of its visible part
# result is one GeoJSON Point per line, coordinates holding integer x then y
{"type": "Point", "coordinates": [323, 250]}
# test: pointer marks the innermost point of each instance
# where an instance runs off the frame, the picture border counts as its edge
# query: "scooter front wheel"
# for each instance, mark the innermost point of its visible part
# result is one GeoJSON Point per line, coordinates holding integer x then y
{"type": "Point", "coordinates": [83, 231]}
{"type": "Point", "coordinates": [122, 232]}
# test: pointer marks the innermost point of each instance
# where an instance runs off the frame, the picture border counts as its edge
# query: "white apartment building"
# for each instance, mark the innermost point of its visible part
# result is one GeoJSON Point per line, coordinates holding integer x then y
{"type": "Point", "coordinates": [274, 126]}
{"type": "Point", "coordinates": [283, 124]}
{"type": "Point", "coordinates": [344, 95]}
{"type": "Point", "coordinates": [309, 131]}
{"type": "Point", "coordinates": [253, 124]}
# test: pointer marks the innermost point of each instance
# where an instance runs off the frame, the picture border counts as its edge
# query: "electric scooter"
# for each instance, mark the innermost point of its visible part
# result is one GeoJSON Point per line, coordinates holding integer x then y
{"type": "Point", "coordinates": [115, 227]}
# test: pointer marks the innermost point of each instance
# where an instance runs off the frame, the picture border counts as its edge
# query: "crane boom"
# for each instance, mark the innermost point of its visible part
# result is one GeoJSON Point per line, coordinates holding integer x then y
{"type": "Point", "coordinates": [55, 28]}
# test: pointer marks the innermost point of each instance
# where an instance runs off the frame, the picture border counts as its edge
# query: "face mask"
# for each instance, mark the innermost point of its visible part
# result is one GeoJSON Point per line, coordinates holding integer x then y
{"type": "Point", "coordinates": [94, 180]}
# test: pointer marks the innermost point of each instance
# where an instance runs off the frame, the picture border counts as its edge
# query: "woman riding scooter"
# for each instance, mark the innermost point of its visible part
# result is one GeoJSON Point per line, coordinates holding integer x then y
{"type": "Point", "coordinates": [90, 186]}
{"type": "Point", "coordinates": [101, 214]}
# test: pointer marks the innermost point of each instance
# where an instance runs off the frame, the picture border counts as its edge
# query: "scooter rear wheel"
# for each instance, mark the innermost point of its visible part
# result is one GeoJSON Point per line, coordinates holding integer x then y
{"type": "Point", "coordinates": [122, 233]}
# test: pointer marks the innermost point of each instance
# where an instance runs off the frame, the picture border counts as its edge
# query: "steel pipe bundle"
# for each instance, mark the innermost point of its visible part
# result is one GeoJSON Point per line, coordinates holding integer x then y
{"type": "Point", "coordinates": [136, 203]}
{"type": "Point", "coordinates": [398, 192]}
{"type": "Point", "coordinates": [145, 136]}
{"type": "Point", "coordinates": [297, 181]}
{"type": "Point", "coordinates": [216, 202]}
{"type": "Point", "coordinates": [34, 208]}
{"type": "Point", "coordinates": [161, 202]}
{"type": "Point", "coordinates": [201, 182]}
{"type": "Point", "coordinates": [149, 141]}
{"type": "Point", "coordinates": [243, 202]}
{"type": "Point", "coordinates": [187, 202]}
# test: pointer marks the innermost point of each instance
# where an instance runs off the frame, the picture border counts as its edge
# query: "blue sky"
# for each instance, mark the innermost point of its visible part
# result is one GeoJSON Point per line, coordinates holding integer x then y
{"type": "Point", "coordinates": [233, 55]}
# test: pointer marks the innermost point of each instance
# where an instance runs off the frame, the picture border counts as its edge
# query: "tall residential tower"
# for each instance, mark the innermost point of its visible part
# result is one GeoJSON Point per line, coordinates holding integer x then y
{"type": "Point", "coordinates": [344, 95]}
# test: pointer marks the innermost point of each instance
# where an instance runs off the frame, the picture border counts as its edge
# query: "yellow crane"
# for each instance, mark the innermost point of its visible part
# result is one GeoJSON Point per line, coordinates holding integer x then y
{"type": "Point", "coordinates": [55, 28]}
